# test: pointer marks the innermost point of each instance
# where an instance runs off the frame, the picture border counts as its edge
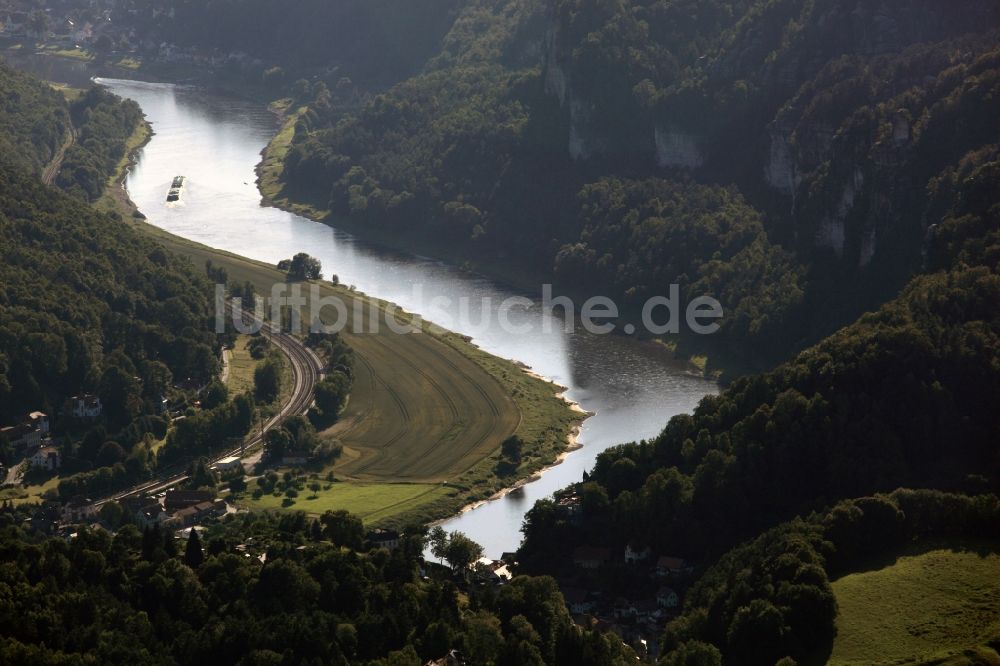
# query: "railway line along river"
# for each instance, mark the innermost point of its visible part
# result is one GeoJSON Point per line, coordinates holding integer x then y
{"type": "Point", "coordinates": [631, 387]}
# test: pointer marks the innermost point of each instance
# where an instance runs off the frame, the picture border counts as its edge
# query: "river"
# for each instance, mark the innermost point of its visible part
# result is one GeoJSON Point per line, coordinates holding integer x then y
{"type": "Point", "coordinates": [631, 387]}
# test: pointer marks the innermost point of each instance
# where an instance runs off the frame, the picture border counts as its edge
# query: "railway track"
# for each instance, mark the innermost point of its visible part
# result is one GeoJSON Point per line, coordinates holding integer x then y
{"type": "Point", "coordinates": [306, 373]}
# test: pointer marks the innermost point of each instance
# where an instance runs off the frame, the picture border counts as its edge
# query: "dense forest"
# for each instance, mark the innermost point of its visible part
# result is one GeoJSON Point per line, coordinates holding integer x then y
{"type": "Point", "coordinates": [832, 138]}
{"type": "Point", "coordinates": [103, 125]}
{"type": "Point", "coordinates": [85, 297]}
{"type": "Point", "coordinates": [263, 590]}
{"type": "Point", "coordinates": [34, 121]}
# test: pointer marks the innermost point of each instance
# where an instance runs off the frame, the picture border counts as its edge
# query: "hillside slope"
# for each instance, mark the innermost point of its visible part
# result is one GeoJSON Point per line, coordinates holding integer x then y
{"type": "Point", "coordinates": [833, 133]}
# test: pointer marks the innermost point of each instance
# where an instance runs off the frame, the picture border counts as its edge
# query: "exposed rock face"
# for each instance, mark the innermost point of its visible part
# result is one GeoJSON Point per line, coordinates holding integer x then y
{"type": "Point", "coordinates": [869, 242]}
{"type": "Point", "coordinates": [556, 82]}
{"type": "Point", "coordinates": [779, 171]}
{"type": "Point", "coordinates": [832, 232]}
{"type": "Point", "coordinates": [675, 148]}
{"type": "Point", "coordinates": [901, 129]}
{"type": "Point", "coordinates": [579, 146]}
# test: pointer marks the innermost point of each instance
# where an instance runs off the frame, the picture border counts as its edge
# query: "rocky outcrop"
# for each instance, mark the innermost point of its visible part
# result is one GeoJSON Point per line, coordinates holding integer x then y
{"type": "Point", "coordinates": [779, 171]}
{"type": "Point", "coordinates": [677, 148]}
{"type": "Point", "coordinates": [832, 232]}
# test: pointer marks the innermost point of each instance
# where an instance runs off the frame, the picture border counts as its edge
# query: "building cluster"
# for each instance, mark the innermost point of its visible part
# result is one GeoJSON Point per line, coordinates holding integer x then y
{"type": "Point", "coordinates": [111, 26]}
{"type": "Point", "coordinates": [638, 612]}
{"type": "Point", "coordinates": [633, 617]}
{"type": "Point", "coordinates": [31, 438]}
{"type": "Point", "coordinates": [67, 23]}
{"type": "Point", "coordinates": [173, 509]}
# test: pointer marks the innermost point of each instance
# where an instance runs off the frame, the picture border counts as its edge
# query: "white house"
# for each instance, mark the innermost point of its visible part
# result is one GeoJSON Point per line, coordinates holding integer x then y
{"type": "Point", "coordinates": [79, 510]}
{"type": "Point", "coordinates": [668, 598]}
{"type": "Point", "coordinates": [146, 511]}
{"type": "Point", "coordinates": [671, 566]}
{"type": "Point", "coordinates": [47, 457]}
{"type": "Point", "coordinates": [383, 538]}
{"type": "Point", "coordinates": [23, 436]}
{"type": "Point", "coordinates": [636, 554]}
{"type": "Point", "coordinates": [40, 420]}
{"type": "Point", "coordinates": [226, 464]}
{"type": "Point", "coordinates": [578, 601]}
{"type": "Point", "coordinates": [86, 406]}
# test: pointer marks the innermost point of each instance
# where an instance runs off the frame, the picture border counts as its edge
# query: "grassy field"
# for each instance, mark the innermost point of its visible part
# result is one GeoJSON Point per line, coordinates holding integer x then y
{"type": "Point", "coordinates": [241, 367]}
{"type": "Point", "coordinates": [935, 606]}
{"type": "Point", "coordinates": [29, 494]}
{"type": "Point", "coordinates": [63, 52]}
{"type": "Point", "coordinates": [372, 502]}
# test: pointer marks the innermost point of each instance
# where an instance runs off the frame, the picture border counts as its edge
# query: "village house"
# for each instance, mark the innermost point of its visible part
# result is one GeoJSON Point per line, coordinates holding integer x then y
{"type": "Point", "coordinates": [635, 554]}
{"type": "Point", "coordinates": [22, 437]}
{"type": "Point", "coordinates": [667, 598]}
{"type": "Point", "coordinates": [646, 609]}
{"type": "Point", "coordinates": [623, 609]}
{"type": "Point", "coordinates": [79, 510]}
{"type": "Point", "coordinates": [146, 511]}
{"type": "Point", "coordinates": [383, 538]}
{"type": "Point", "coordinates": [227, 464]}
{"type": "Point", "coordinates": [45, 518]}
{"type": "Point", "coordinates": [589, 557]}
{"type": "Point", "coordinates": [491, 571]}
{"type": "Point", "coordinates": [453, 658]}
{"type": "Point", "coordinates": [176, 500]}
{"type": "Point", "coordinates": [578, 601]}
{"type": "Point", "coordinates": [47, 458]}
{"type": "Point", "coordinates": [39, 420]}
{"type": "Point", "coordinates": [667, 566]}
{"type": "Point", "coordinates": [193, 515]}
{"type": "Point", "coordinates": [85, 406]}
{"type": "Point", "coordinates": [28, 434]}
{"type": "Point", "coordinates": [571, 507]}
{"type": "Point", "coordinates": [16, 23]}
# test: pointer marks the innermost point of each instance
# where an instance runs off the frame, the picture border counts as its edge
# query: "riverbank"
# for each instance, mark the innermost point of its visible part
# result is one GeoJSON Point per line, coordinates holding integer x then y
{"type": "Point", "coordinates": [542, 418]}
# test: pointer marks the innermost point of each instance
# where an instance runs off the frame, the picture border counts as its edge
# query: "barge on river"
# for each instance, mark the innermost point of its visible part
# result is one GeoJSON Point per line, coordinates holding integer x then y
{"type": "Point", "coordinates": [175, 189]}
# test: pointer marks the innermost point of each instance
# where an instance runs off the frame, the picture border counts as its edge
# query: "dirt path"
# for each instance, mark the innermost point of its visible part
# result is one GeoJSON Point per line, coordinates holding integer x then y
{"type": "Point", "coordinates": [227, 356]}
{"type": "Point", "coordinates": [52, 168]}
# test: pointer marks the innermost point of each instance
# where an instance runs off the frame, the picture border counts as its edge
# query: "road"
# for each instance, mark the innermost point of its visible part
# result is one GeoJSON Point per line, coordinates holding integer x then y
{"type": "Point", "coordinates": [306, 372]}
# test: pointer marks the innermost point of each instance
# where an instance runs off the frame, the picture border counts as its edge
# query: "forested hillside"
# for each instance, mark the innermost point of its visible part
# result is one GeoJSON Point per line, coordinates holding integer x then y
{"type": "Point", "coordinates": [84, 296]}
{"type": "Point", "coordinates": [833, 120]}
{"type": "Point", "coordinates": [34, 120]}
